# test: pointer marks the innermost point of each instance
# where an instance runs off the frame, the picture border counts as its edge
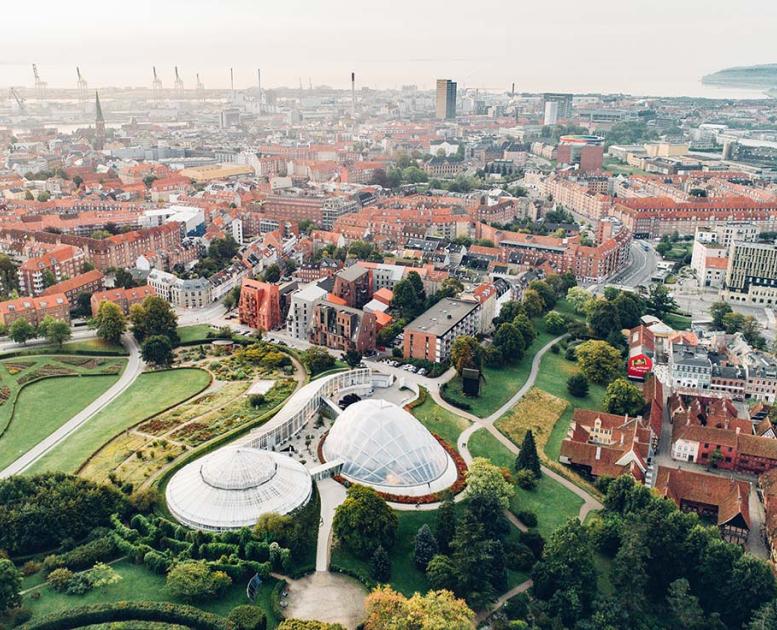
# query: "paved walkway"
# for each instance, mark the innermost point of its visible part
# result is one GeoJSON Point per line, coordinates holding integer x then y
{"type": "Point", "coordinates": [327, 597]}
{"type": "Point", "coordinates": [332, 494]}
{"type": "Point", "coordinates": [135, 366]}
{"type": "Point", "coordinates": [483, 614]}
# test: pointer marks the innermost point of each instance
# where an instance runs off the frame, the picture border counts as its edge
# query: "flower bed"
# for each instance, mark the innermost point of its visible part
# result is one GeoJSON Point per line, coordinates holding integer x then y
{"type": "Point", "coordinates": [45, 371]}
{"type": "Point", "coordinates": [17, 366]}
{"type": "Point", "coordinates": [5, 394]}
{"type": "Point", "coordinates": [458, 485]}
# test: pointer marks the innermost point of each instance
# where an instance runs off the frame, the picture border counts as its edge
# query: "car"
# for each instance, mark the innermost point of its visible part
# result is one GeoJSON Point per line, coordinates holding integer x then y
{"type": "Point", "coordinates": [422, 372]}
{"type": "Point", "coordinates": [413, 369]}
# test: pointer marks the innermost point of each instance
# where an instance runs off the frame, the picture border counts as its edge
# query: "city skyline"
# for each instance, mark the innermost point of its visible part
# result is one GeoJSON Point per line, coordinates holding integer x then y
{"type": "Point", "coordinates": [597, 47]}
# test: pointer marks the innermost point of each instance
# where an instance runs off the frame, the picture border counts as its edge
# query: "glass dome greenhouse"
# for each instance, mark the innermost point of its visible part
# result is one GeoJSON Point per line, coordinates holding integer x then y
{"type": "Point", "coordinates": [383, 446]}
{"type": "Point", "coordinates": [233, 486]}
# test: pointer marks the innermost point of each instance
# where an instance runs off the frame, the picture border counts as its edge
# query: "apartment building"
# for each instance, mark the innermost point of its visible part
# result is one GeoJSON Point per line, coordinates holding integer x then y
{"type": "Point", "coordinates": [342, 328]}
{"type": "Point", "coordinates": [195, 293]}
{"type": "Point", "coordinates": [577, 196]}
{"type": "Point", "coordinates": [123, 298]}
{"type": "Point", "coordinates": [690, 367]}
{"type": "Point", "coordinates": [431, 335]}
{"type": "Point", "coordinates": [88, 282]}
{"type": "Point", "coordinates": [60, 263]}
{"type": "Point", "coordinates": [751, 276]}
{"type": "Point", "coordinates": [260, 305]}
{"type": "Point", "coordinates": [354, 285]}
{"type": "Point", "coordinates": [35, 309]}
{"type": "Point", "coordinates": [301, 310]}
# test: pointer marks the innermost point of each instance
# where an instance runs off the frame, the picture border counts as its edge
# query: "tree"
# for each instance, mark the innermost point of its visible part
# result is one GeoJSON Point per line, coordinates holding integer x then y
{"type": "Point", "coordinates": [533, 303]}
{"type": "Point", "coordinates": [630, 309]}
{"type": "Point", "coordinates": [565, 577]}
{"type": "Point", "coordinates": [622, 397]}
{"type": "Point", "coordinates": [509, 311]}
{"type": "Point", "coordinates": [526, 328]}
{"type": "Point", "coordinates": [195, 581]}
{"type": "Point", "coordinates": [733, 322]}
{"type": "Point", "coordinates": [9, 278]}
{"type": "Point", "coordinates": [364, 521]}
{"type": "Point", "coordinates": [380, 565]}
{"type": "Point", "coordinates": [436, 610]}
{"type": "Point", "coordinates": [527, 457]}
{"type": "Point", "coordinates": [317, 360]}
{"type": "Point", "coordinates": [629, 568]}
{"type": "Point", "coordinates": [466, 353]}
{"type": "Point", "coordinates": [123, 278]}
{"type": "Point", "coordinates": [751, 583]}
{"type": "Point", "coordinates": [578, 297]}
{"type": "Point", "coordinates": [486, 480]}
{"type": "Point", "coordinates": [153, 317]}
{"type": "Point", "coordinates": [598, 361]}
{"type": "Point", "coordinates": [223, 250]}
{"type": "Point", "coordinates": [659, 302]}
{"type": "Point", "coordinates": [441, 573]}
{"type": "Point", "coordinates": [56, 331]}
{"type": "Point", "coordinates": [765, 618]}
{"type": "Point", "coordinates": [604, 319]}
{"type": "Point", "coordinates": [352, 358]}
{"type": "Point", "coordinates": [157, 350]}
{"type": "Point", "coordinates": [272, 273]}
{"type": "Point", "coordinates": [577, 385]}
{"type": "Point", "coordinates": [445, 525]}
{"type": "Point", "coordinates": [83, 305]}
{"type": "Point", "coordinates": [10, 585]}
{"type": "Point", "coordinates": [509, 341]}
{"type": "Point", "coordinates": [685, 611]}
{"type": "Point", "coordinates": [425, 547]}
{"type": "Point", "coordinates": [407, 299]}
{"type": "Point", "coordinates": [546, 292]}
{"type": "Point", "coordinates": [110, 322]}
{"type": "Point", "coordinates": [21, 331]}
{"type": "Point", "coordinates": [751, 331]}
{"type": "Point", "coordinates": [718, 311]}
{"type": "Point", "coordinates": [555, 322]}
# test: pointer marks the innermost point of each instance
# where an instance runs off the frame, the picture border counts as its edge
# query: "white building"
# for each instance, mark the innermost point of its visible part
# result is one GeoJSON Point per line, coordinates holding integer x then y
{"type": "Point", "coordinates": [194, 293]}
{"type": "Point", "coordinates": [301, 310]}
{"type": "Point", "coordinates": [551, 113]}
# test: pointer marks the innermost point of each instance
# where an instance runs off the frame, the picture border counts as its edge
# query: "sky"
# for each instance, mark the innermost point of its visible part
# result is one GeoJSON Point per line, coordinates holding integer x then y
{"type": "Point", "coordinates": [659, 47]}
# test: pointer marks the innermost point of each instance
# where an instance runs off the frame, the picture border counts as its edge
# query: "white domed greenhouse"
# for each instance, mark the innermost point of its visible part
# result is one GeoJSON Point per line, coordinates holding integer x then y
{"type": "Point", "coordinates": [233, 486]}
{"type": "Point", "coordinates": [383, 446]}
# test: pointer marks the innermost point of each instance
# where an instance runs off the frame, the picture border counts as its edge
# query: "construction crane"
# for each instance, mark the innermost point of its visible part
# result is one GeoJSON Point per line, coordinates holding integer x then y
{"type": "Point", "coordinates": [156, 85]}
{"type": "Point", "coordinates": [81, 85]}
{"type": "Point", "coordinates": [178, 82]}
{"type": "Point", "coordinates": [40, 84]}
{"type": "Point", "coordinates": [19, 101]}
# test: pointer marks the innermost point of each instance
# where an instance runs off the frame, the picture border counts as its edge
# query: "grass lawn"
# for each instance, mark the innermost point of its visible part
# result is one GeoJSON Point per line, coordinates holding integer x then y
{"type": "Point", "coordinates": [677, 321]}
{"type": "Point", "coordinates": [553, 504]}
{"type": "Point", "coordinates": [138, 583]}
{"type": "Point", "coordinates": [35, 417]}
{"type": "Point", "coordinates": [538, 411]}
{"type": "Point", "coordinates": [440, 421]}
{"type": "Point", "coordinates": [194, 333]}
{"type": "Point", "coordinates": [81, 346]}
{"type": "Point", "coordinates": [554, 372]}
{"type": "Point", "coordinates": [151, 393]}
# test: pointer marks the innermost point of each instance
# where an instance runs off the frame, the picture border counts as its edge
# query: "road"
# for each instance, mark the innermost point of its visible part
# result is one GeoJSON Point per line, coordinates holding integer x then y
{"type": "Point", "coordinates": [135, 366]}
{"type": "Point", "coordinates": [78, 334]}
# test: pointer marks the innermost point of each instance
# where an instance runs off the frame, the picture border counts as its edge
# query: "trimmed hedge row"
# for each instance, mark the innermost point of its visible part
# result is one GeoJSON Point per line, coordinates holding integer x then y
{"type": "Point", "coordinates": [83, 556]}
{"type": "Point", "coordinates": [164, 612]}
{"type": "Point", "coordinates": [367, 581]}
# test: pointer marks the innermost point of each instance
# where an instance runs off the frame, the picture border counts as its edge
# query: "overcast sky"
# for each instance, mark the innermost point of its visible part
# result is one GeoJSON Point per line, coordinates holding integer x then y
{"type": "Point", "coordinates": [640, 46]}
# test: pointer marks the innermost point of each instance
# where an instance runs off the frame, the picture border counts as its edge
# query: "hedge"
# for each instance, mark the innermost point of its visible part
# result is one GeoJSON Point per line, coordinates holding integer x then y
{"type": "Point", "coordinates": [357, 575]}
{"type": "Point", "coordinates": [164, 612]}
{"type": "Point", "coordinates": [275, 598]}
{"type": "Point", "coordinates": [83, 556]}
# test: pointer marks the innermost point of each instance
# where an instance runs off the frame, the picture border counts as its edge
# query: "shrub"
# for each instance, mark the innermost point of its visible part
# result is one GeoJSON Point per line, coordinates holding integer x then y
{"type": "Point", "coordinates": [526, 479]}
{"type": "Point", "coordinates": [248, 618]}
{"type": "Point", "coordinates": [520, 558]}
{"type": "Point", "coordinates": [577, 385]}
{"type": "Point", "coordinates": [193, 580]}
{"type": "Point", "coordinates": [59, 579]}
{"type": "Point", "coordinates": [83, 556]}
{"type": "Point", "coordinates": [31, 567]}
{"type": "Point", "coordinates": [527, 518]}
{"type": "Point", "coordinates": [79, 584]}
{"type": "Point", "coordinates": [157, 562]}
{"type": "Point", "coordinates": [534, 541]}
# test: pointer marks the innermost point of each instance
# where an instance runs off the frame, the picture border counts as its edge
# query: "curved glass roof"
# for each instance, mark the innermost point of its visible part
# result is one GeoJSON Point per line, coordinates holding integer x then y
{"type": "Point", "coordinates": [233, 486]}
{"type": "Point", "coordinates": [382, 444]}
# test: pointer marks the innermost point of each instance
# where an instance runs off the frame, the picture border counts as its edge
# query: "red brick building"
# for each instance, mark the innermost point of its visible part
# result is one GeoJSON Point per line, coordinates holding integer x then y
{"type": "Point", "coordinates": [343, 328]}
{"type": "Point", "coordinates": [260, 305]}
{"type": "Point", "coordinates": [88, 282]}
{"type": "Point", "coordinates": [354, 285]}
{"type": "Point", "coordinates": [62, 262]}
{"type": "Point", "coordinates": [34, 309]}
{"type": "Point", "coordinates": [124, 298]}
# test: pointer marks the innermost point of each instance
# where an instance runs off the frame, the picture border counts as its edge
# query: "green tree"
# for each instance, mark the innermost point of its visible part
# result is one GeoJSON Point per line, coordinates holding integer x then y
{"type": "Point", "coordinates": [750, 585]}
{"type": "Point", "coordinates": [598, 361]}
{"type": "Point", "coordinates": [751, 331]}
{"type": "Point", "coordinates": [406, 300]}
{"type": "Point", "coordinates": [56, 331]}
{"type": "Point", "coordinates": [123, 278]}
{"type": "Point", "coordinates": [247, 617]}
{"type": "Point", "coordinates": [555, 322]}
{"type": "Point", "coordinates": [425, 547]}
{"type": "Point", "coordinates": [527, 457]}
{"type": "Point", "coordinates": [154, 317]}
{"type": "Point", "coordinates": [10, 585]}
{"type": "Point", "coordinates": [718, 311]}
{"type": "Point", "coordinates": [352, 358]}
{"type": "Point", "coordinates": [223, 250]}
{"type": "Point", "coordinates": [765, 618]}
{"type": "Point", "coordinates": [622, 397]}
{"type": "Point", "coordinates": [157, 349]}
{"type": "Point", "coordinates": [49, 279]}
{"type": "Point", "coordinates": [509, 311]}
{"type": "Point", "coordinates": [317, 360]}
{"type": "Point", "coordinates": [630, 309]}
{"type": "Point", "coordinates": [579, 297]}
{"type": "Point", "coordinates": [486, 480]}
{"type": "Point", "coordinates": [21, 331]}
{"type": "Point", "coordinates": [509, 341]}
{"type": "Point", "coordinates": [659, 302]}
{"type": "Point", "coordinates": [604, 319]}
{"type": "Point", "coordinates": [445, 524]}
{"type": "Point", "coordinates": [110, 322]}
{"type": "Point", "coordinates": [629, 569]}
{"type": "Point", "coordinates": [380, 565]}
{"type": "Point", "coordinates": [546, 292]}
{"type": "Point", "coordinates": [272, 273]}
{"type": "Point", "coordinates": [83, 305]}
{"type": "Point", "coordinates": [533, 303]}
{"type": "Point", "coordinates": [733, 322]}
{"type": "Point", "coordinates": [195, 581]}
{"type": "Point", "coordinates": [466, 353]}
{"type": "Point", "coordinates": [364, 521]}
{"type": "Point", "coordinates": [577, 385]}
{"type": "Point", "coordinates": [441, 573]}
{"type": "Point", "coordinates": [526, 328]}
{"type": "Point", "coordinates": [9, 278]}
{"type": "Point", "coordinates": [684, 609]}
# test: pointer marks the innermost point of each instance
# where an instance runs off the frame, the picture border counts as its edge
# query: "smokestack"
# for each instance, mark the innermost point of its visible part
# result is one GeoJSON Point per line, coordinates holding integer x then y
{"type": "Point", "coordinates": [512, 91]}
{"type": "Point", "coordinates": [353, 95]}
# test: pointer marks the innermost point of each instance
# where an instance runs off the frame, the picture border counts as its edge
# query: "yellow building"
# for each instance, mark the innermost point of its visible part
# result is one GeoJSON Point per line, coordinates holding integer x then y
{"type": "Point", "coordinates": [216, 171]}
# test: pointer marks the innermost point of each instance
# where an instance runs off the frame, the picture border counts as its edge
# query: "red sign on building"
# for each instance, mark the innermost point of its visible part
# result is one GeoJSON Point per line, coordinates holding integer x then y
{"type": "Point", "coordinates": [639, 366]}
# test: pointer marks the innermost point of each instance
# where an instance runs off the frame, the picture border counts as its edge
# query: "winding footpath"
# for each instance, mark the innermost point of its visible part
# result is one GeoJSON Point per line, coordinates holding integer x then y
{"type": "Point", "coordinates": [134, 368]}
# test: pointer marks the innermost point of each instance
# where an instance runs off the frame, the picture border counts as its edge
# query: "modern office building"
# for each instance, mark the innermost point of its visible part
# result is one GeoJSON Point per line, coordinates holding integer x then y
{"type": "Point", "coordinates": [587, 152]}
{"type": "Point", "coordinates": [551, 113]}
{"type": "Point", "coordinates": [446, 99]}
{"type": "Point", "coordinates": [563, 102]}
{"type": "Point", "coordinates": [431, 335]}
{"type": "Point", "coordinates": [751, 276]}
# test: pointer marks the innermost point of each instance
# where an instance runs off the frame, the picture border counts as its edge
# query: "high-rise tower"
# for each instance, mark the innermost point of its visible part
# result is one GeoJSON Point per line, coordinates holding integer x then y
{"type": "Point", "coordinates": [445, 108]}
{"type": "Point", "coordinates": [99, 124]}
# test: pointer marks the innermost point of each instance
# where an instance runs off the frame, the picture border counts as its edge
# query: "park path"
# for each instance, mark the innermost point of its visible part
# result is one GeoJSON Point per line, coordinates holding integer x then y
{"type": "Point", "coordinates": [134, 368]}
{"type": "Point", "coordinates": [500, 601]}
